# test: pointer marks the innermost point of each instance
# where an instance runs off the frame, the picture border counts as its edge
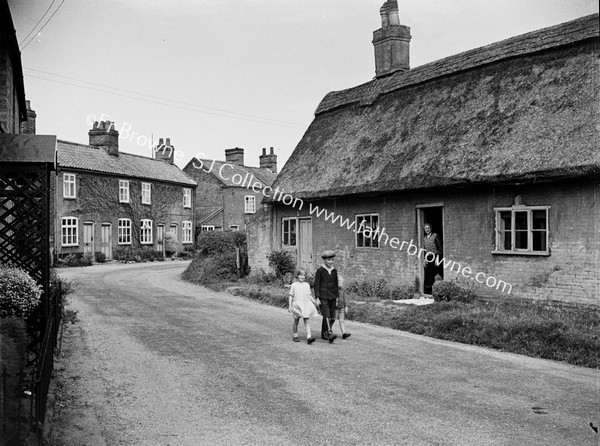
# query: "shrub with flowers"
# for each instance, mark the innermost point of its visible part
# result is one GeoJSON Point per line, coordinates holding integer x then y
{"type": "Point", "coordinates": [19, 293]}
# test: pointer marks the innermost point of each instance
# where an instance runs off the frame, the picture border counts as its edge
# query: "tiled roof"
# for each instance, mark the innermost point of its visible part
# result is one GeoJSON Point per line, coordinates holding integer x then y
{"type": "Point", "coordinates": [78, 156]}
{"type": "Point", "coordinates": [265, 176]}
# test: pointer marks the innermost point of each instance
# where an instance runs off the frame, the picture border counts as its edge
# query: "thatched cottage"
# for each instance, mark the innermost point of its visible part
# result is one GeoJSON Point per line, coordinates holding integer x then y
{"type": "Point", "coordinates": [497, 148]}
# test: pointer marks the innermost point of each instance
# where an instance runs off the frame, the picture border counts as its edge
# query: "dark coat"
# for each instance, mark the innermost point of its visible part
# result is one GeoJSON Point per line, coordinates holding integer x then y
{"type": "Point", "coordinates": [326, 284]}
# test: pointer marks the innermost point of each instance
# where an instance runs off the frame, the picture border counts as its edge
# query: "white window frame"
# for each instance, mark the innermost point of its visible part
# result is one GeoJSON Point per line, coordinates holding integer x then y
{"type": "Point", "coordinates": [69, 231]}
{"type": "Point", "coordinates": [124, 231]}
{"type": "Point", "coordinates": [145, 232]}
{"type": "Point", "coordinates": [360, 241]}
{"type": "Point", "coordinates": [69, 185]}
{"type": "Point", "coordinates": [186, 232]}
{"type": "Point", "coordinates": [187, 197]}
{"type": "Point", "coordinates": [286, 233]}
{"type": "Point", "coordinates": [146, 193]}
{"type": "Point", "coordinates": [123, 191]}
{"type": "Point", "coordinates": [173, 230]}
{"type": "Point", "coordinates": [250, 204]}
{"type": "Point", "coordinates": [499, 248]}
{"type": "Point", "coordinates": [208, 228]}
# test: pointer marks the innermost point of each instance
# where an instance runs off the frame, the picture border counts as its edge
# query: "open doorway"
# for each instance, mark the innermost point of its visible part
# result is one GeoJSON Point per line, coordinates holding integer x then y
{"type": "Point", "coordinates": [433, 215]}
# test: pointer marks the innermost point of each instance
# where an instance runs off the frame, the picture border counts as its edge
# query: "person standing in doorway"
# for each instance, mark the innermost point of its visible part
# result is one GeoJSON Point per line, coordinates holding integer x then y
{"type": "Point", "coordinates": [327, 292]}
{"type": "Point", "coordinates": [431, 244]}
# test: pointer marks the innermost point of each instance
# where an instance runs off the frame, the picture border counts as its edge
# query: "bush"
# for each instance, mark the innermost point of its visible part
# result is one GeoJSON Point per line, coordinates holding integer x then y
{"type": "Point", "coordinates": [282, 262]}
{"type": "Point", "coordinates": [170, 244]}
{"type": "Point", "coordinates": [446, 291]}
{"type": "Point", "coordinates": [100, 257]}
{"type": "Point", "coordinates": [220, 256]}
{"type": "Point", "coordinates": [76, 259]}
{"type": "Point", "coordinates": [20, 293]}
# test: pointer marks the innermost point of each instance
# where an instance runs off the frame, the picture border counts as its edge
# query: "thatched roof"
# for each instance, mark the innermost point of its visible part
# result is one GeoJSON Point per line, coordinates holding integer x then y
{"type": "Point", "coordinates": [96, 160]}
{"type": "Point", "coordinates": [524, 109]}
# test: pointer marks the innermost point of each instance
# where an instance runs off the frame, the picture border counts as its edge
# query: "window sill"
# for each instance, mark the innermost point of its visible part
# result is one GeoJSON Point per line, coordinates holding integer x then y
{"type": "Point", "coordinates": [523, 253]}
{"type": "Point", "coordinates": [124, 244]}
{"type": "Point", "coordinates": [70, 246]}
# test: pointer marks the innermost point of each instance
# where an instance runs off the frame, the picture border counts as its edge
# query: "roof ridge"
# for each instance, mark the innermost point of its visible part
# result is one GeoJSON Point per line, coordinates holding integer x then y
{"type": "Point", "coordinates": [583, 28]}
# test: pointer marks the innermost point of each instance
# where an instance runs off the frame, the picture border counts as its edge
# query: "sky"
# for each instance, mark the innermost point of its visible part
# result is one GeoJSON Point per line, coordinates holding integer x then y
{"type": "Point", "coordinates": [217, 74]}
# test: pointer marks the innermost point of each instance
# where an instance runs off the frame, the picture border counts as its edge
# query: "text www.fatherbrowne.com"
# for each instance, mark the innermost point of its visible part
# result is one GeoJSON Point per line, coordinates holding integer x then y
{"type": "Point", "coordinates": [249, 182]}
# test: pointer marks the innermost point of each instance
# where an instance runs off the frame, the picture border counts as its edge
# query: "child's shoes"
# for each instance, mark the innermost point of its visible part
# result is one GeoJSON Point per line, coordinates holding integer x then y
{"type": "Point", "coordinates": [310, 340]}
{"type": "Point", "coordinates": [296, 339]}
{"type": "Point", "coordinates": [345, 335]}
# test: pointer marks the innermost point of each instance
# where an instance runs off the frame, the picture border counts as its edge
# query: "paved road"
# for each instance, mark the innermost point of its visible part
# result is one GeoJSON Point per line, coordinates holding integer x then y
{"type": "Point", "coordinates": [152, 360]}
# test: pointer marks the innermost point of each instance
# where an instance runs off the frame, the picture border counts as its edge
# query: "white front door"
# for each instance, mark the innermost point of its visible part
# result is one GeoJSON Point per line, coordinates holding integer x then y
{"type": "Point", "coordinates": [88, 238]}
{"type": "Point", "coordinates": [305, 245]}
{"type": "Point", "coordinates": [160, 238]}
{"type": "Point", "coordinates": [106, 240]}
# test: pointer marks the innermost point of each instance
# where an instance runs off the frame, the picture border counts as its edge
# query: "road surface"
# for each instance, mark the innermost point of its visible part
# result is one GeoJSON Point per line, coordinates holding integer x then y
{"type": "Point", "coordinates": [152, 360]}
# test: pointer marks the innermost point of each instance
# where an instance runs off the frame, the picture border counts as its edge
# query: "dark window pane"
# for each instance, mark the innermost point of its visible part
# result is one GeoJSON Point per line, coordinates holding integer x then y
{"type": "Point", "coordinates": [520, 239]}
{"type": "Point", "coordinates": [539, 219]}
{"type": "Point", "coordinates": [520, 220]}
{"type": "Point", "coordinates": [506, 240]}
{"type": "Point", "coordinates": [505, 219]}
{"type": "Point", "coordinates": [539, 240]}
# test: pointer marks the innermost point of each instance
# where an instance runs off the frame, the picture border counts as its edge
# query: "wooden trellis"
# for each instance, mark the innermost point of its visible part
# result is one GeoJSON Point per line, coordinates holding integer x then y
{"type": "Point", "coordinates": [26, 163]}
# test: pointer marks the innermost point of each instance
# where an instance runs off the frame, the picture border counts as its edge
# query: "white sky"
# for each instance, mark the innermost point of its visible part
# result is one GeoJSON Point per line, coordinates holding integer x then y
{"type": "Point", "coordinates": [216, 74]}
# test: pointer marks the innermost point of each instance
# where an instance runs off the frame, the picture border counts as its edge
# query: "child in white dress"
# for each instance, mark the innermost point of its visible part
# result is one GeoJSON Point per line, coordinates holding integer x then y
{"type": "Point", "coordinates": [302, 304]}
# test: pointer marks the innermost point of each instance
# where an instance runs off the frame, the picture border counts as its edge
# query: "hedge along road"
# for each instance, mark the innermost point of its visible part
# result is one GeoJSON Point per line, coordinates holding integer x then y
{"type": "Point", "coordinates": [153, 360]}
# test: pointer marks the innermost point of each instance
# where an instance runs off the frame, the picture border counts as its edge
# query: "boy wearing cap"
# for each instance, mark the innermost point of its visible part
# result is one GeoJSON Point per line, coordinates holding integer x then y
{"type": "Point", "coordinates": [327, 291]}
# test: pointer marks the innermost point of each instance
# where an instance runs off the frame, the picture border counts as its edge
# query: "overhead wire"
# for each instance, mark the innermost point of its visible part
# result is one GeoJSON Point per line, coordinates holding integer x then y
{"type": "Point", "coordinates": [38, 22]}
{"type": "Point", "coordinates": [292, 124]}
{"type": "Point", "coordinates": [43, 26]}
{"type": "Point", "coordinates": [215, 112]}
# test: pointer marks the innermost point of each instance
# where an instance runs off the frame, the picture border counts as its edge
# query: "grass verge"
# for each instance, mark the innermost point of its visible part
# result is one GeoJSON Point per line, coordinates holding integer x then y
{"type": "Point", "coordinates": [554, 331]}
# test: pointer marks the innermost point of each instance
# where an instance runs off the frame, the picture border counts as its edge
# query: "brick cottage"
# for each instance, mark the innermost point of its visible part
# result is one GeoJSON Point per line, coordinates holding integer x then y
{"type": "Point", "coordinates": [108, 200]}
{"type": "Point", "coordinates": [224, 203]}
{"type": "Point", "coordinates": [497, 148]}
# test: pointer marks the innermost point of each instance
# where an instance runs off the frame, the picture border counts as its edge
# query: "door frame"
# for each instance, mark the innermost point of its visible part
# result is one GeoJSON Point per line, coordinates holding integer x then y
{"type": "Point", "coordinates": [92, 248]}
{"type": "Point", "coordinates": [309, 243]}
{"type": "Point", "coordinates": [420, 221]}
{"type": "Point", "coordinates": [108, 242]}
{"type": "Point", "coordinates": [160, 243]}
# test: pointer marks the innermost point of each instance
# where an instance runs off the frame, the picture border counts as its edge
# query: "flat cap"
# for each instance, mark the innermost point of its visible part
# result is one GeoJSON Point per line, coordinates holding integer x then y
{"type": "Point", "coordinates": [329, 254]}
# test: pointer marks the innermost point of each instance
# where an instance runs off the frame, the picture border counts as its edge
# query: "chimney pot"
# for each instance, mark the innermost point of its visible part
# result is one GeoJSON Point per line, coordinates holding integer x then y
{"type": "Point", "coordinates": [391, 42]}
{"type": "Point", "coordinates": [165, 152]}
{"type": "Point", "coordinates": [103, 135]}
{"type": "Point", "coordinates": [235, 156]}
{"type": "Point", "coordinates": [268, 161]}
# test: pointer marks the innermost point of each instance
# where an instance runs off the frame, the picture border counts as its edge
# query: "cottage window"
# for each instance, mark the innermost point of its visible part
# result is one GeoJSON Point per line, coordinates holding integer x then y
{"type": "Point", "coordinates": [187, 198]}
{"type": "Point", "coordinates": [250, 201]}
{"type": "Point", "coordinates": [173, 230]}
{"type": "Point", "coordinates": [69, 189]}
{"type": "Point", "coordinates": [186, 228]}
{"type": "Point", "coordinates": [522, 230]}
{"type": "Point", "coordinates": [234, 227]}
{"type": "Point", "coordinates": [146, 188]}
{"type": "Point", "coordinates": [124, 231]}
{"type": "Point", "coordinates": [146, 232]}
{"type": "Point", "coordinates": [367, 231]}
{"type": "Point", "coordinates": [289, 231]}
{"type": "Point", "coordinates": [208, 228]}
{"type": "Point", "coordinates": [69, 231]}
{"type": "Point", "coordinates": [123, 191]}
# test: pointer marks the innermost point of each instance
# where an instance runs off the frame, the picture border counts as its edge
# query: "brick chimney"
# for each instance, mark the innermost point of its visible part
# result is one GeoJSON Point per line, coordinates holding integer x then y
{"type": "Point", "coordinates": [104, 135]}
{"type": "Point", "coordinates": [391, 42]}
{"type": "Point", "coordinates": [28, 127]}
{"type": "Point", "coordinates": [268, 161]}
{"type": "Point", "coordinates": [235, 156]}
{"type": "Point", "coordinates": [165, 151]}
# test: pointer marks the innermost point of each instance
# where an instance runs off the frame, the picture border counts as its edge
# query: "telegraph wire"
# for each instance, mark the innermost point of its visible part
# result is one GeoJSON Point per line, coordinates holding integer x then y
{"type": "Point", "coordinates": [44, 25]}
{"type": "Point", "coordinates": [38, 22]}
{"type": "Point", "coordinates": [286, 123]}
{"type": "Point", "coordinates": [224, 114]}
